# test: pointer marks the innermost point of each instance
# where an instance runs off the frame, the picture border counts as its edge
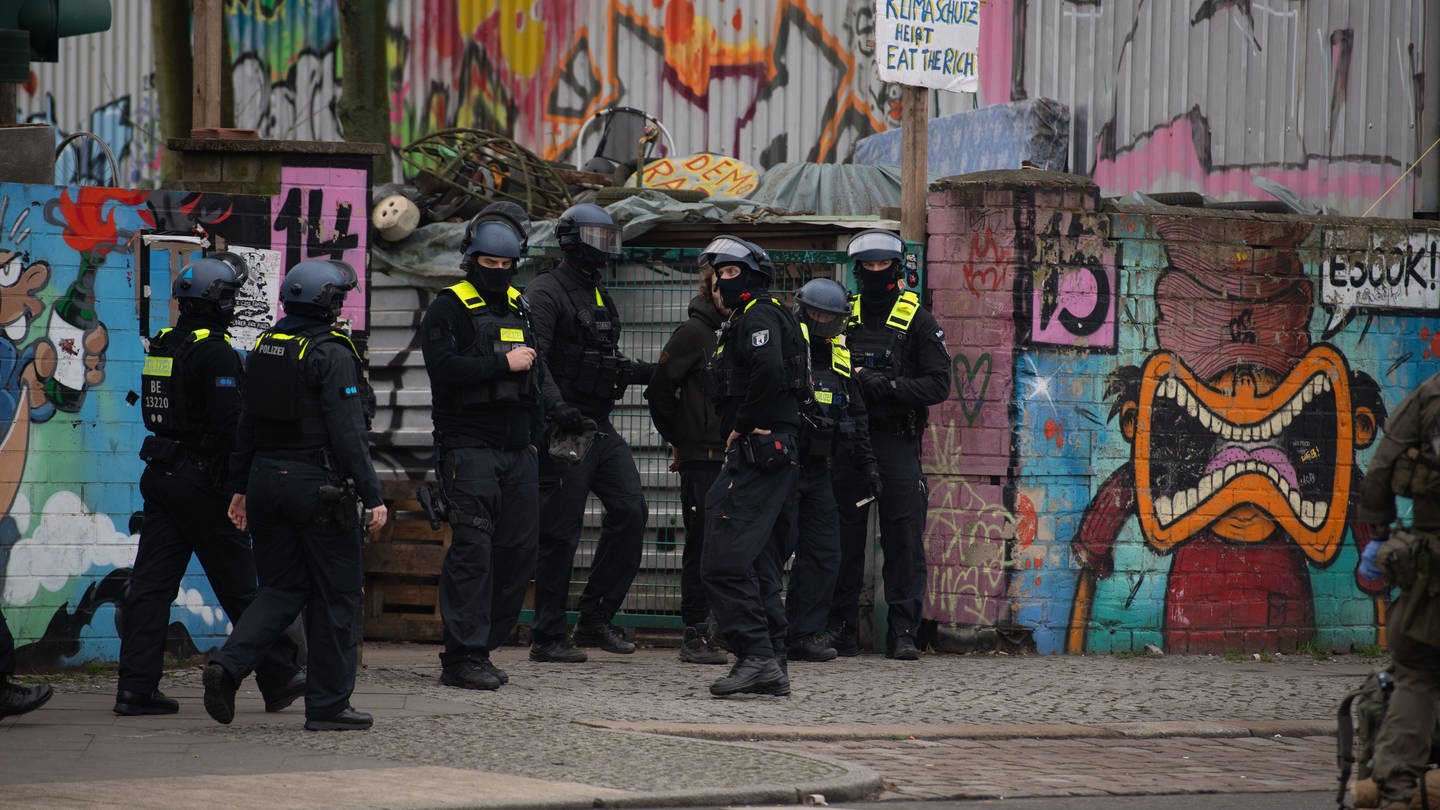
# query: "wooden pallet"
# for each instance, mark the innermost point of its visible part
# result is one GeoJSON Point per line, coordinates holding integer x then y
{"type": "Point", "coordinates": [402, 570]}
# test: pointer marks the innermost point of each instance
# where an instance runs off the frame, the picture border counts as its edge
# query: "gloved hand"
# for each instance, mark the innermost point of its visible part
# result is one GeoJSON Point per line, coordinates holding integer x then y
{"type": "Point", "coordinates": [1369, 560]}
{"type": "Point", "coordinates": [875, 387]}
{"type": "Point", "coordinates": [567, 416]}
{"type": "Point", "coordinates": [872, 479]}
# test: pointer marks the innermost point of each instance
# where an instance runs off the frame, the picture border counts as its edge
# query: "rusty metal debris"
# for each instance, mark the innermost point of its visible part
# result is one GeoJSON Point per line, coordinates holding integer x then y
{"type": "Point", "coordinates": [460, 171]}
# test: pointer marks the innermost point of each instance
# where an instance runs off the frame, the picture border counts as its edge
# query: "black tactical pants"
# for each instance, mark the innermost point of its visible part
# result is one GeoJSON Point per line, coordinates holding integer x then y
{"type": "Point", "coordinates": [7, 648]}
{"type": "Point", "coordinates": [495, 503]}
{"type": "Point", "coordinates": [696, 478]}
{"type": "Point", "coordinates": [609, 471]}
{"type": "Point", "coordinates": [300, 568]}
{"type": "Point", "coordinates": [904, 501]}
{"type": "Point", "coordinates": [184, 515]}
{"type": "Point", "coordinates": [814, 537]}
{"type": "Point", "coordinates": [747, 513]}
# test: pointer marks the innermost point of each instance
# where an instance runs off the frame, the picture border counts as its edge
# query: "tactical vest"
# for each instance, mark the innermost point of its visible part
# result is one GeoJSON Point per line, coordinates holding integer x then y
{"type": "Point", "coordinates": [827, 415]}
{"type": "Point", "coordinates": [165, 403]}
{"type": "Point", "coordinates": [498, 329]}
{"type": "Point", "coordinates": [883, 349]}
{"type": "Point", "coordinates": [285, 407]}
{"type": "Point", "coordinates": [724, 380]}
{"type": "Point", "coordinates": [592, 365]}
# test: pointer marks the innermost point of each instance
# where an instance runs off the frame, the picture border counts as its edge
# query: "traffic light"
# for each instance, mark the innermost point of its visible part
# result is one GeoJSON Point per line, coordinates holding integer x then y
{"type": "Point", "coordinates": [44, 22]}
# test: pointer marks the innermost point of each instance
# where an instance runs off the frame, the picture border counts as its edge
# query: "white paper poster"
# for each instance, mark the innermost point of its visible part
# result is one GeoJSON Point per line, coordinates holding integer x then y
{"type": "Point", "coordinates": [257, 303]}
{"type": "Point", "coordinates": [929, 43]}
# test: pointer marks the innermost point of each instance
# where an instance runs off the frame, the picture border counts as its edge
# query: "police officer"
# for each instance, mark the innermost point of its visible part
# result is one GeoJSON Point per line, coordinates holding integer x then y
{"type": "Point", "coordinates": [577, 332]}
{"type": "Point", "coordinates": [834, 432]}
{"type": "Point", "coordinates": [685, 417]}
{"type": "Point", "coordinates": [14, 698]}
{"type": "Point", "coordinates": [759, 383]}
{"type": "Point", "coordinates": [1409, 454]}
{"type": "Point", "coordinates": [301, 451]}
{"type": "Point", "coordinates": [191, 403]}
{"type": "Point", "coordinates": [484, 378]}
{"type": "Point", "coordinates": [903, 367]}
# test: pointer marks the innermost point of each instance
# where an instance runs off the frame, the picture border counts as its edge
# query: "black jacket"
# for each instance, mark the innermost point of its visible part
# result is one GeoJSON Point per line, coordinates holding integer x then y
{"type": "Point", "coordinates": [334, 372]}
{"type": "Point", "coordinates": [214, 381]}
{"type": "Point", "coordinates": [760, 341]}
{"type": "Point", "coordinates": [679, 404]}
{"type": "Point", "coordinates": [924, 363]}
{"type": "Point", "coordinates": [445, 328]}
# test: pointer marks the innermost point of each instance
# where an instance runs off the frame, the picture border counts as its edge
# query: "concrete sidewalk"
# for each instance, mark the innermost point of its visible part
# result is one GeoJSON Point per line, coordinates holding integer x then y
{"type": "Point", "coordinates": [642, 730]}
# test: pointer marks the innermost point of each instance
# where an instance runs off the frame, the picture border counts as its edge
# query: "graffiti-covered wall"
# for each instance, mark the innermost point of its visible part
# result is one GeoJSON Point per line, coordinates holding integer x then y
{"type": "Point", "coordinates": [74, 265]}
{"type": "Point", "coordinates": [1161, 416]}
{"type": "Point", "coordinates": [1327, 98]}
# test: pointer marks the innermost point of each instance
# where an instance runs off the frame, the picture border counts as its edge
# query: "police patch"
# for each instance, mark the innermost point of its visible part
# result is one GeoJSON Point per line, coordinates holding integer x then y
{"type": "Point", "coordinates": [760, 337]}
{"type": "Point", "coordinates": [224, 382]}
{"type": "Point", "coordinates": [940, 333]}
{"type": "Point", "coordinates": [350, 391]}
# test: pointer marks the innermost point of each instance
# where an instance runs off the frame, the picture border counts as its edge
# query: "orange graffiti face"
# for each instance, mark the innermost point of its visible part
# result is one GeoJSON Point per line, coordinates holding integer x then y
{"type": "Point", "coordinates": [1246, 452]}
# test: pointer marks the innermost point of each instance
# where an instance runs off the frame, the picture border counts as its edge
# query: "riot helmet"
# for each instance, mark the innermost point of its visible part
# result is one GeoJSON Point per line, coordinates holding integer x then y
{"type": "Point", "coordinates": [876, 245]}
{"type": "Point", "coordinates": [755, 268]}
{"type": "Point", "coordinates": [489, 242]}
{"type": "Point", "coordinates": [502, 211]}
{"type": "Point", "coordinates": [824, 306]}
{"type": "Point", "coordinates": [588, 235]}
{"type": "Point", "coordinates": [207, 287]}
{"type": "Point", "coordinates": [317, 288]}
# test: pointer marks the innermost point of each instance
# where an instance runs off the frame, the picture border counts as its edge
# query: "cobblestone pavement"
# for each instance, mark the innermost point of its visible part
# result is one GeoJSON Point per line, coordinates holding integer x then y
{"type": "Point", "coordinates": [637, 729]}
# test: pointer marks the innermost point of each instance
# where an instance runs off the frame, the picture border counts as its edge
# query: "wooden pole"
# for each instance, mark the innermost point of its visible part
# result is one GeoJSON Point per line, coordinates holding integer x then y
{"type": "Point", "coordinates": [209, 16]}
{"type": "Point", "coordinates": [914, 168]}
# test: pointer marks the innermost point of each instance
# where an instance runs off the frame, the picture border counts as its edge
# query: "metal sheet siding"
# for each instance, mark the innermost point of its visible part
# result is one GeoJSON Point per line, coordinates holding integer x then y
{"type": "Point", "coordinates": [103, 84]}
{"type": "Point", "coordinates": [1319, 96]}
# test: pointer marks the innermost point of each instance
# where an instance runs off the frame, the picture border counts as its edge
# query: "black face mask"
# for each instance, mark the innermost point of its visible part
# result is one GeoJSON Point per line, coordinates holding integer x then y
{"type": "Point", "coordinates": [731, 289]}
{"type": "Point", "coordinates": [491, 279]}
{"type": "Point", "coordinates": [876, 283]}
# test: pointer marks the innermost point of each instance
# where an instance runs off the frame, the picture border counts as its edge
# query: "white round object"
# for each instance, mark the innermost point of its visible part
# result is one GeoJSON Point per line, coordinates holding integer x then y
{"type": "Point", "coordinates": [395, 217]}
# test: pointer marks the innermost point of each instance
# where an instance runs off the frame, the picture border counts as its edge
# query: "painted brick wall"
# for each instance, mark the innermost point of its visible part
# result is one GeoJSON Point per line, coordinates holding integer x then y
{"type": "Point", "coordinates": [1161, 416]}
{"type": "Point", "coordinates": [68, 456]}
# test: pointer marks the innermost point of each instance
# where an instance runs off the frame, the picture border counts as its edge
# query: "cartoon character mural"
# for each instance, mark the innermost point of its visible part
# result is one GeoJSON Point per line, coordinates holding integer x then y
{"type": "Point", "coordinates": [1243, 436]}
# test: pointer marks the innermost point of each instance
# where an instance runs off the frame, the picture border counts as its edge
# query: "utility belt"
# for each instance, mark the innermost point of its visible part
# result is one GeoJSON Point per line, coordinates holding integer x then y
{"type": "Point", "coordinates": [598, 373]}
{"type": "Point", "coordinates": [765, 453]}
{"type": "Point", "coordinates": [168, 453]}
{"type": "Point", "coordinates": [909, 424]}
{"type": "Point", "coordinates": [318, 456]}
{"type": "Point", "coordinates": [437, 505]}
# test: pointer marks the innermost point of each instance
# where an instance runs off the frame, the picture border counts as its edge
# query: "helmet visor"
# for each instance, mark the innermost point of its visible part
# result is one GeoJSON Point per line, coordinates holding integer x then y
{"type": "Point", "coordinates": [604, 238]}
{"type": "Point", "coordinates": [876, 247]}
{"type": "Point", "coordinates": [823, 324]}
{"type": "Point", "coordinates": [725, 250]}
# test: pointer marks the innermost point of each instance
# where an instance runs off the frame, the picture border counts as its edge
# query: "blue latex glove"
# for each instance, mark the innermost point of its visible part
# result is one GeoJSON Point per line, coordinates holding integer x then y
{"type": "Point", "coordinates": [1369, 567]}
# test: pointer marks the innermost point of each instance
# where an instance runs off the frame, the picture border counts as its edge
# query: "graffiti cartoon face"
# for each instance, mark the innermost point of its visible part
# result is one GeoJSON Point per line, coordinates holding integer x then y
{"type": "Point", "coordinates": [1247, 451]}
{"type": "Point", "coordinates": [18, 284]}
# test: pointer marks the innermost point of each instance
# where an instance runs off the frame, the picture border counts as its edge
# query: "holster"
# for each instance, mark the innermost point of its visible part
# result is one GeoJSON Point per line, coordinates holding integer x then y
{"type": "Point", "coordinates": [767, 453]}
{"type": "Point", "coordinates": [337, 509]}
{"type": "Point", "coordinates": [160, 450]}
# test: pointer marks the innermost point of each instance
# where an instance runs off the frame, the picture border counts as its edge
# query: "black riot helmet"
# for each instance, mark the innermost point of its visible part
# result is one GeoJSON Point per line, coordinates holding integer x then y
{"type": "Point", "coordinates": [824, 307]}
{"type": "Point", "coordinates": [206, 287]}
{"type": "Point", "coordinates": [756, 269]}
{"type": "Point", "coordinates": [588, 235]}
{"type": "Point", "coordinates": [876, 245]}
{"type": "Point", "coordinates": [504, 212]}
{"type": "Point", "coordinates": [490, 239]}
{"type": "Point", "coordinates": [317, 287]}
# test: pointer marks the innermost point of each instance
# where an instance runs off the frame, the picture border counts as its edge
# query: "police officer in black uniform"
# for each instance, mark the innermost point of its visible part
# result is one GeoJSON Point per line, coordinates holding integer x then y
{"type": "Point", "coordinates": [683, 413]}
{"type": "Point", "coordinates": [485, 380]}
{"type": "Point", "coordinates": [14, 698]}
{"type": "Point", "coordinates": [577, 329]}
{"type": "Point", "coordinates": [301, 461]}
{"type": "Point", "coordinates": [760, 381]}
{"type": "Point", "coordinates": [834, 432]}
{"type": "Point", "coordinates": [192, 383]}
{"type": "Point", "coordinates": [903, 367]}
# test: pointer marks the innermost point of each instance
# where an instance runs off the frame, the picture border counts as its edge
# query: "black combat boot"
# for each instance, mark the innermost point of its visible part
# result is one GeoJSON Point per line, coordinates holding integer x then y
{"type": "Point", "coordinates": [130, 704]}
{"type": "Point", "coordinates": [598, 634]}
{"type": "Point", "coordinates": [219, 693]}
{"type": "Point", "coordinates": [904, 649]}
{"type": "Point", "coordinates": [843, 639]}
{"type": "Point", "coordinates": [815, 647]}
{"type": "Point", "coordinates": [753, 675]}
{"type": "Point", "coordinates": [697, 648]}
{"type": "Point", "coordinates": [555, 651]}
{"type": "Point", "coordinates": [16, 699]}
{"type": "Point", "coordinates": [469, 675]}
{"type": "Point", "coordinates": [347, 719]}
